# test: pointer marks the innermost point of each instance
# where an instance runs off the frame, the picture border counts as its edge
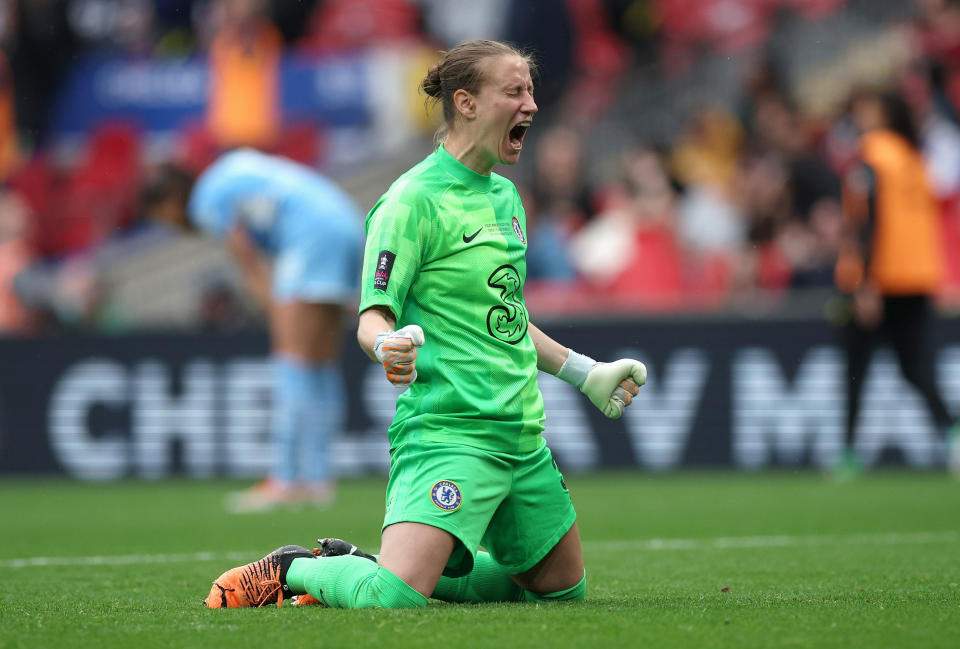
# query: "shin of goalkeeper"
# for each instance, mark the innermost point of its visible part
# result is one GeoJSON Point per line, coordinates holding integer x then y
{"type": "Point", "coordinates": [611, 387]}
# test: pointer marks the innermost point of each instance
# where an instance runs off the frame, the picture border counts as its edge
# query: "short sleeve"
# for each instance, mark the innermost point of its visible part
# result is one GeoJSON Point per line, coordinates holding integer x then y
{"type": "Point", "coordinates": [398, 230]}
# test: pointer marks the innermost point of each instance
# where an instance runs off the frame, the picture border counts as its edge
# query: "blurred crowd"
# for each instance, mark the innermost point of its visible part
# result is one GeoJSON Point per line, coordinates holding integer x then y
{"type": "Point", "coordinates": [740, 206]}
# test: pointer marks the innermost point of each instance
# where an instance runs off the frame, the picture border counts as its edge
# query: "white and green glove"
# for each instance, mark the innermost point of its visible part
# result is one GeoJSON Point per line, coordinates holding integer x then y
{"type": "Point", "coordinates": [609, 386]}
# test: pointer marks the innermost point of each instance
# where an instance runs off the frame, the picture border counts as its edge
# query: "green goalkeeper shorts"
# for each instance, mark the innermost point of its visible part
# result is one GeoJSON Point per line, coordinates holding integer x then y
{"type": "Point", "coordinates": [516, 506]}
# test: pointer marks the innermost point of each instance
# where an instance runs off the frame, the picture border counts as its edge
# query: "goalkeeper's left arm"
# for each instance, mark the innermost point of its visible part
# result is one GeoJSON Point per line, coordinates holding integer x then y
{"type": "Point", "coordinates": [611, 387]}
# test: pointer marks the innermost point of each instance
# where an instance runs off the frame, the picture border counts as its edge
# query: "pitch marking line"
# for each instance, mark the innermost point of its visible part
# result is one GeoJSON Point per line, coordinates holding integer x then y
{"type": "Point", "coordinates": [780, 541]}
{"type": "Point", "coordinates": [35, 562]}
{"type": "Point", "coordinates": [639, 545]}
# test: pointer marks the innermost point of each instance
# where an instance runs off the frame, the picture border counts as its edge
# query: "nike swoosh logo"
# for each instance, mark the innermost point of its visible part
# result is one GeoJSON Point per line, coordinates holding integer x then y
{"type": "Point", "coordinates": [473, 236]}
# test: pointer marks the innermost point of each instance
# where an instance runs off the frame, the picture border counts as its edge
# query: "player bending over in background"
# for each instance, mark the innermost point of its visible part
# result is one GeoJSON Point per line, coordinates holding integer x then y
{"type": "Point", "coordinates": [442, 310]}
{"type": "Point", "coordinates": [296, 237]}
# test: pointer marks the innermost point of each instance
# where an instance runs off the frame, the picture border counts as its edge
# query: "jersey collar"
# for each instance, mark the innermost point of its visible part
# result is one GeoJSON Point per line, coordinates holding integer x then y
{"type": "Point", "coordinates": [463, 173]}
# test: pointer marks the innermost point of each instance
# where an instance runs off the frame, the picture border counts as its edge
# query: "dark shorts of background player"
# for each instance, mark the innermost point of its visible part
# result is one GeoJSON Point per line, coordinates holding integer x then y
{"type": "Point", "coordinates": [517, 506]}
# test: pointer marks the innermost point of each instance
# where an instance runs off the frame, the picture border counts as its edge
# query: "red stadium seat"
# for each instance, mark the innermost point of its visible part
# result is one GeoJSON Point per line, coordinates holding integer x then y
{"type": "Point", "coordinates": [91, 201]}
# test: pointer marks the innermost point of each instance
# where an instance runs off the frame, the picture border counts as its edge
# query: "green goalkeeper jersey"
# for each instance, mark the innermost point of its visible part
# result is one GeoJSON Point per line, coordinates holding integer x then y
{"type": "Point", "coordinates": [446, 250]}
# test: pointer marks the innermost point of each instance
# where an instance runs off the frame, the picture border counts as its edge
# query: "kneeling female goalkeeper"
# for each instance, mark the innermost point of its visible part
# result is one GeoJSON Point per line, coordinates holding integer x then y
{"type": "Point", "coordinates": [442, 310]}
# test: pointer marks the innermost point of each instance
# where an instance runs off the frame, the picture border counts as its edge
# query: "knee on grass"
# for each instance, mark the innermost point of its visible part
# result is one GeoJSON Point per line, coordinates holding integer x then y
{"type": "Point", "coordinates": [574, 594]}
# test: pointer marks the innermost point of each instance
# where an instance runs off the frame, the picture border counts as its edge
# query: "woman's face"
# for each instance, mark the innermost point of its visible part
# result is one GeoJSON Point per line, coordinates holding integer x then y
{"type": "Point", "coordinates": [504, 109]}
{"type": "Point", "coordinates": [867, 113]}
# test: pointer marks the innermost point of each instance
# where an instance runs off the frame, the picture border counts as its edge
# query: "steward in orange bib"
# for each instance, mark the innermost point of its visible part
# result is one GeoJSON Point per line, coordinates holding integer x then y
{"type": "Point", "coordinates": [892, 260]}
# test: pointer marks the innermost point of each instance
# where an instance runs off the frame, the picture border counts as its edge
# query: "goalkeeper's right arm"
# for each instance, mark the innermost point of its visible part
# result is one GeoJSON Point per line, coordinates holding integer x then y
{"type": "Point", "coordinates": [395, 350]}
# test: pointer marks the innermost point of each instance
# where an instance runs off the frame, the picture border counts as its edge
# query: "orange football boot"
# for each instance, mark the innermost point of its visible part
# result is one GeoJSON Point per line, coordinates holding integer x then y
{"type": "Point", "coordinates": [258, 583]}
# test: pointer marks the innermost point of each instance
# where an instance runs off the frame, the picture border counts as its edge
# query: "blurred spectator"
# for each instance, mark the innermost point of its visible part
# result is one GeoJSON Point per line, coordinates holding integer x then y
{"type": "Point", "coordinates": [941, 150]}
{"type": "Point", "coordinates": [940, 136]}
{"type": "Point", "coordinates": [891, 262]}
{"type": "Point", "coordinates": [557, 204]}
{"type": "Point", "coordinates": [811, 246]}
{"type": "Point", "coordinates": [244, 103]}
{"type": "Point", "coordinates": [712, 231]}
{"type": "Point", "coordinates": [603, 249]}
{"type": "Point", "coordinates": [16, 254]}
{"type": "Point", "coordinates": [761, 189]}
{"type": "Point", "coordinates": [630, 250]}
{"type": "Point", "coordinates": [806, 235]}
{"type": "Point", "coordinates": [548, 250]}
{"type": "Point", "coordinates": [560, 177]}
{"type": "Point", "coordinates": [711, 224]}
{"type": "Point", "coordinates": [708, 150]}
{"type": "Point", "coordinates": [779, 127]}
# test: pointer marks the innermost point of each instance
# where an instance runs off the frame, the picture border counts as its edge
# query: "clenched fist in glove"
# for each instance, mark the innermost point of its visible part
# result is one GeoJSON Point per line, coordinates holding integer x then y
{"type": "Point", "coordinates": [611, 387]}
{"type": "Point", "coordinates": [397, 352]}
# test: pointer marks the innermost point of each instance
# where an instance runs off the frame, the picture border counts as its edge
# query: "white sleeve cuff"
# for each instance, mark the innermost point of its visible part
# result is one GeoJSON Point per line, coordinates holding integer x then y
{"type": "Point", "coordinates": [575, 369]}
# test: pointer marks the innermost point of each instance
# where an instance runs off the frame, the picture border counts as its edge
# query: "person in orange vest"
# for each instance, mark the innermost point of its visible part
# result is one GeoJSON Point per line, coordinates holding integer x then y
{"type": "Point", "coordinates": [891, 262]}
{"type": "Point", "coordinates": [244, 104]}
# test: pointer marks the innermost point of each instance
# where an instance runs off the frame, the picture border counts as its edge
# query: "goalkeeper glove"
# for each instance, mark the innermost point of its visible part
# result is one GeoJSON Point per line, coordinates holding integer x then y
{"type": "Point", "coordinates": [609, 386]}
{"type": "Point", "coordinates": [397, 352]}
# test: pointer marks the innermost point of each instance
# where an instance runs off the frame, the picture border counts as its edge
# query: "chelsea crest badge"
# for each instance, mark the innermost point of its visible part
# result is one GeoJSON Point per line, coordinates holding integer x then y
{"type": "Point", "coordinates": [446, 496]}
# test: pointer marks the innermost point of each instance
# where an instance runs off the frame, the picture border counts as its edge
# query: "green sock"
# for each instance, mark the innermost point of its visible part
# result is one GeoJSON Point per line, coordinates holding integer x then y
{"type": "Point", "coordinates": [351, 582]}
{"type": "Point", "coordinates": [487, 582]}
{"type": "Point", "coordinates": [577, 593]}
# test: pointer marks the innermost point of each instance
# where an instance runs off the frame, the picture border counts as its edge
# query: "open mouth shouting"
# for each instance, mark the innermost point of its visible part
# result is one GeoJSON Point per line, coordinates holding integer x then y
{"type": "Point", "coordinates": [515, 136]}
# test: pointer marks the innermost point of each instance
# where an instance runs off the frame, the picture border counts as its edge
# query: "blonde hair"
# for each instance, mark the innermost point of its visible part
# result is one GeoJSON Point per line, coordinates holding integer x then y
{"type": "Point", "coordinates": [461, 67]}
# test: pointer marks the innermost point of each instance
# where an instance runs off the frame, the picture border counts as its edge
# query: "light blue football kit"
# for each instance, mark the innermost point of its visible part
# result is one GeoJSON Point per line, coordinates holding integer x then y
{"type": "Point", "coordinates": [312, 231]}
{"type": "Point", "coordinates": [305, 222]}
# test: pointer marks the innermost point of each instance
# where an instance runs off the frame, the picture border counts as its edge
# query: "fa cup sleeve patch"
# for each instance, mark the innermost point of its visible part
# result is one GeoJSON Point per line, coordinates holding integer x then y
{"type": "Point", "coordinates": [384, 266]}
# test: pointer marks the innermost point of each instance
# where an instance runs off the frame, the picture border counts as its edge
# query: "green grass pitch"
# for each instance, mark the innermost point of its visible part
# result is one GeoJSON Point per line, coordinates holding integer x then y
{"type": "Point", "coordinates": [684, 560]}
